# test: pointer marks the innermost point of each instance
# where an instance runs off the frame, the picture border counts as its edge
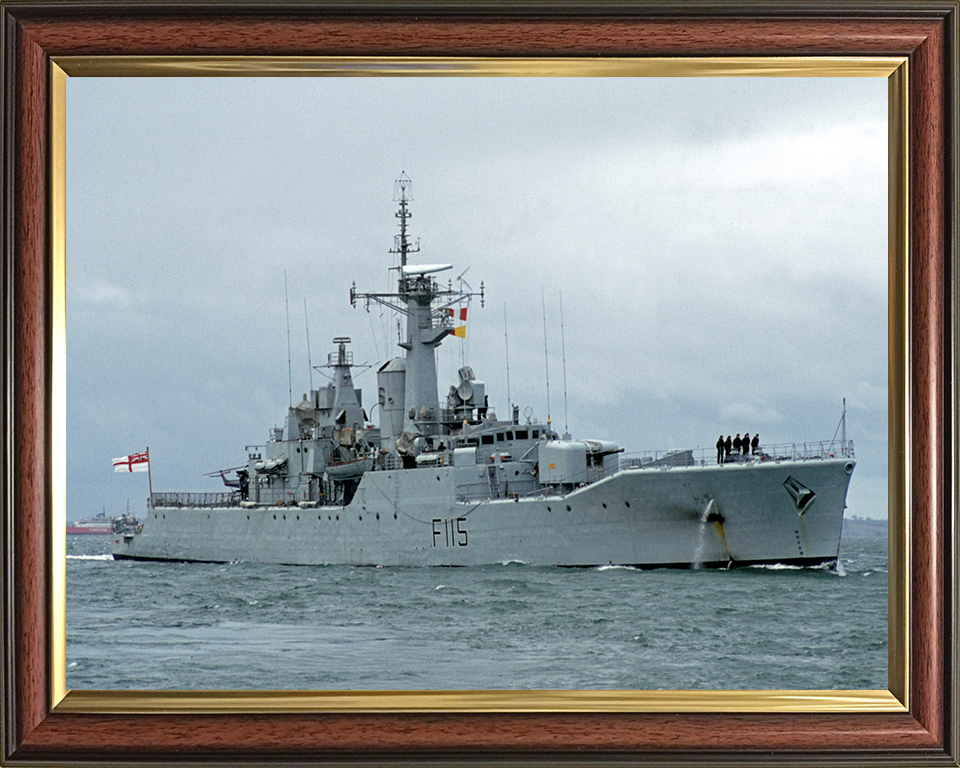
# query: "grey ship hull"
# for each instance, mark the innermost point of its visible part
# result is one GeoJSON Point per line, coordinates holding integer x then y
{"type": "Point", "coordinates": [661, 517]}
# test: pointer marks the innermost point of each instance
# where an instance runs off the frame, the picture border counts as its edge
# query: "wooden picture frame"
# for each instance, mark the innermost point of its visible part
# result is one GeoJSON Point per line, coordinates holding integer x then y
{"type": "Point", "coordinates": [40, 727]}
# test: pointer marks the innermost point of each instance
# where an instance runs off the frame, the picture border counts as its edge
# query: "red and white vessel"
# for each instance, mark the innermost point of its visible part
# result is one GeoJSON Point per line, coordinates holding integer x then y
{"type": "Point", "coordinates": [100, 525]}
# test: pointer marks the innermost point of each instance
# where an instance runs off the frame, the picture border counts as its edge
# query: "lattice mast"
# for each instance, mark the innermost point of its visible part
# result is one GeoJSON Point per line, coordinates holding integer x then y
{"type": "Point", "coordinates": [402, 193]}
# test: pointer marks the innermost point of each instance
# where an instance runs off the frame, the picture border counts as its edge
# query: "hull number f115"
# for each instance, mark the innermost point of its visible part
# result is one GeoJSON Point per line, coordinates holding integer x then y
{"type": "Point", "coordinates": [451, 536]}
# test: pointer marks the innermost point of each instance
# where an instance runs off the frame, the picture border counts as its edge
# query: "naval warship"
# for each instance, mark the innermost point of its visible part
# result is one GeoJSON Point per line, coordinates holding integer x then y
{"type": "Point", "coordinates": [450, 484]}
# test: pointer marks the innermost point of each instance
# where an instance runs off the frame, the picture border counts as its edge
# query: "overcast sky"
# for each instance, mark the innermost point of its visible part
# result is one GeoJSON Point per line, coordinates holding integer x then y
{"type": "Point", "coordinates": [720, 246]}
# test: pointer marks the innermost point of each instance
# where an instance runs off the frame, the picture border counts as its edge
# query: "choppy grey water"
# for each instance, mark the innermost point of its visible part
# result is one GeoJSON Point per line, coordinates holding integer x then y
{"type": "Point", "coordinates": [133, 625]}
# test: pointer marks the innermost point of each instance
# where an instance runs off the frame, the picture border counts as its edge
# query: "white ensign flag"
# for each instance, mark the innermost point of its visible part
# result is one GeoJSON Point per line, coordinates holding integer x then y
{"type": "Point", "coordinates": [135, 462]}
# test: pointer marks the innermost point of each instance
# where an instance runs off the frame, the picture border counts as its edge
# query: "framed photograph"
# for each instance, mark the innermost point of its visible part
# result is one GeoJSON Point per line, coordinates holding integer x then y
{"type": "Point", "coordinates": [46, 45]}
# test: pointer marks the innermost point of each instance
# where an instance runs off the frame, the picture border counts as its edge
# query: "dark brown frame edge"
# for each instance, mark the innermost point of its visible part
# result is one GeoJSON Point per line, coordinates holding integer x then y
{"type": "Point", "coordinates": [925, 32]}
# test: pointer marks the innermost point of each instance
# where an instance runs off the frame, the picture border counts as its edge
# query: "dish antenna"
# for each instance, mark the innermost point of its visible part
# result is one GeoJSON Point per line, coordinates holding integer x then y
{"type": "Point", "coordinates": [465, 390]}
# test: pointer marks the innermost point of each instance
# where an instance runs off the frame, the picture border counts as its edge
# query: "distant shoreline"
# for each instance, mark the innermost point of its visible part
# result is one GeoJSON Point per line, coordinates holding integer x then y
{"type": "Point", "coordinates": [864, 528]}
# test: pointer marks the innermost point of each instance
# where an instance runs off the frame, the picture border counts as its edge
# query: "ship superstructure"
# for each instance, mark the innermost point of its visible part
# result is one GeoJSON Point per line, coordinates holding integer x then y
{"type": "Point", "coordinates": [448, 483]}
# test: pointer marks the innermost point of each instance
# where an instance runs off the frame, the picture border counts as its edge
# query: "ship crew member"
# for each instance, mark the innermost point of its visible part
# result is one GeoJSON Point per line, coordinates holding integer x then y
{"type": "Point", "coordinates": [745, 446]}
{"type": "Point", "coordinates": [755, 444]}
{"type": "Point", "coordinates": [720, 450]}
{"type": "Point", "coordinates": [737, 443]}
{"type": "Point", "coordinates": [727, 447]}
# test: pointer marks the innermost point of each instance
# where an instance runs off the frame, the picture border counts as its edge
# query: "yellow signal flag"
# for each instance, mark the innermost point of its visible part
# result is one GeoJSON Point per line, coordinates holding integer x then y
{"type": "Point", "coordinates": [461, 331]}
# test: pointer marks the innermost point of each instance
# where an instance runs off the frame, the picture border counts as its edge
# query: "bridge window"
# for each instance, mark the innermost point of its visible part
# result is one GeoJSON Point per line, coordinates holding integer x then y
{"type": "Point", "coordinates": [486, 439]}
{"type": "Point", "coordinates": [521, 434]}
{"type": "Point", "coordinates": [499, 437]}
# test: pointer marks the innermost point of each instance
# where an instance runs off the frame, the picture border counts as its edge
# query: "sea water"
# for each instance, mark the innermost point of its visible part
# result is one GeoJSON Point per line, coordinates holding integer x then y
{"type": "Point", "coordinates": [159, 625]}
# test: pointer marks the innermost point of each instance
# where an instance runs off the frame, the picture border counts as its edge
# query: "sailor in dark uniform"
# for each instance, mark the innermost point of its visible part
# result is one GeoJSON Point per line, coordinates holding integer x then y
{"type": "Point", "coordinates": [755, 444]}
{"type": "Point", "coordinates": [720, 450]}
{"type": "Point", "coordinates": [745, 445]}
{"type": "Point", "coordinates": [737, 443]}
{"type": "Point", "coordinates": [727, 447]}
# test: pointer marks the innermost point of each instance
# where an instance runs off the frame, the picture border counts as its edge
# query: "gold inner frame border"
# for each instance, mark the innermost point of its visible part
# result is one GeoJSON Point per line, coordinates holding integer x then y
{"type": "Point", "coordinates": [895, 69]}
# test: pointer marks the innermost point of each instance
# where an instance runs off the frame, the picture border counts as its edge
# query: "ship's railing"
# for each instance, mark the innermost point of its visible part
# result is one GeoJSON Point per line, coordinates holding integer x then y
{"type": "Point", "coordinates": [339, 358]}
{"type": "Point", "coordinates": [699, 457]}
{"type": "Point", "coordinates": [221, 499]}
{"type": "Point", "coordinates": [388, 461]}
{"type": "Point", "coordinates": [447, 415]}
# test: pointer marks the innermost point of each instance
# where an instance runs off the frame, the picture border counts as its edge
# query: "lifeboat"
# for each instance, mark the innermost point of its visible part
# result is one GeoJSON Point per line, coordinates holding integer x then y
{"type": "Point", "coordinates": [351, 468]}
